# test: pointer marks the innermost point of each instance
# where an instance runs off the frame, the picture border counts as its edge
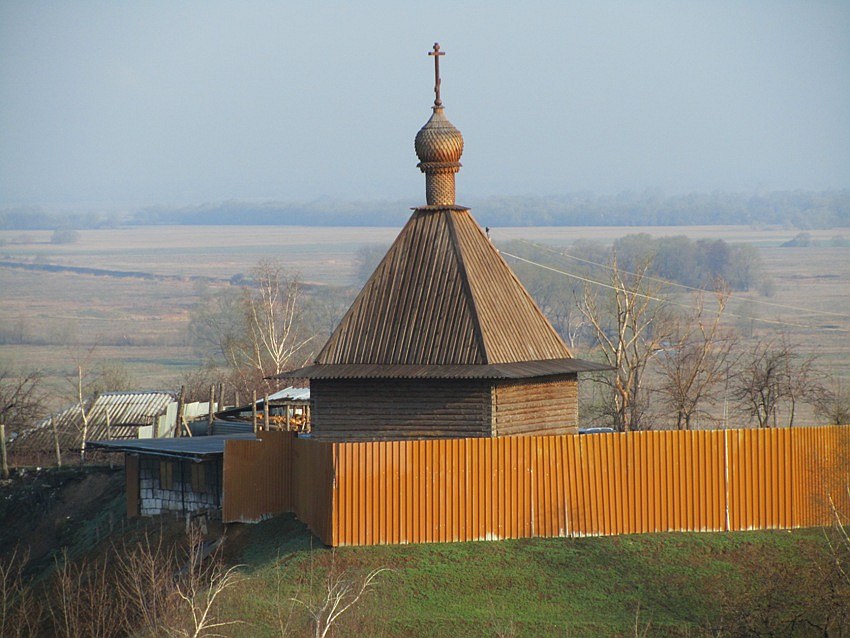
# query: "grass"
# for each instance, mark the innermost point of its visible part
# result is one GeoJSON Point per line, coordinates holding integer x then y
{"type": "Point", "coordinates": [697, 585]}
{"type": "Point", "coordinates": [677, 584]}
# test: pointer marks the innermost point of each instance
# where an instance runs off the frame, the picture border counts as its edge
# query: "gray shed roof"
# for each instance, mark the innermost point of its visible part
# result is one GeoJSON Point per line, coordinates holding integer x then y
{"type": "Point", "coordinates": [289, 394]}
{"type": "Point", "coordinates": [127, 411]}
{"type": "Point", "coordinates": [195, 448]}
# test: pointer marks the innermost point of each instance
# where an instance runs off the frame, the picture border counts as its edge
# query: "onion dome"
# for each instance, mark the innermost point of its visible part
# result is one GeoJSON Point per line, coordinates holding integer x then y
{"type": "Point", "coordinates": [438, 140]}
{"type": "Point", "coordinates": [439, 146]}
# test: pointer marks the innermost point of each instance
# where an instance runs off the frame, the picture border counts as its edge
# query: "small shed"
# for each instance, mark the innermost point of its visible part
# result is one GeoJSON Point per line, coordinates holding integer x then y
{"type": "Point", "coordinates": [111, 415]}
{"type": "Point", "coordinates": [288, 409]}
{"type": "Point", "coordinates": [180, 475]}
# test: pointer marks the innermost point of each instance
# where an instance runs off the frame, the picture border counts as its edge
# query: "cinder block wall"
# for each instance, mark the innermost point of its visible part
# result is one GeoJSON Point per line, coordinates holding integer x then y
{"type": "Point", "coordinates": [155, 499]}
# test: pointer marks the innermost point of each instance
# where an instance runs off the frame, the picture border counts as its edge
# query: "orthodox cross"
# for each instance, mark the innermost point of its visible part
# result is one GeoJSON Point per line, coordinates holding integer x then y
{"type": "Point", "coordinates": [437, 53]}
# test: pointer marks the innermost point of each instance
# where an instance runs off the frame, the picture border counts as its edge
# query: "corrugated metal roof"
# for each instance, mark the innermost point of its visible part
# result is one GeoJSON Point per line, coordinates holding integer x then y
{"type": "Point", "coordinates": [232, 427]}
{"type": "Point", "coordinates": [442, 295]}
{"type": "Point", "coordinates": [518, 370]}
{"type": "Point", "coordinates": [189, 447]}
{"type": "Point", "coordinates": [127, 411]}
{"type": "Point", "coordinates": [289, 394]}
{"type": "Point", "coordinates": [279, 398]}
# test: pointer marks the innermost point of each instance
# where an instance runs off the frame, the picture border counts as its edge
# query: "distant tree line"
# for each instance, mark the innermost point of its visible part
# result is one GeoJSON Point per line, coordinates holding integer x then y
{"type": "Point", "coordinates": [693, 263]}
{"type": "Point", "coordinates": [38, 219]}
{"type": "Point", "coordinates": [677, 259]}
{"type": "Point", "coordinates": [794, 209]}
{"type": "Point", "coordinates": [803, 210]}
{"type": "Point", "coordinates": [797, 209]}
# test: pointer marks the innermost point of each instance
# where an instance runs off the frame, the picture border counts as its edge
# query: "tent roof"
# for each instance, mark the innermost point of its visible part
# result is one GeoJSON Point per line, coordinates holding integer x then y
{"type": "Point", "coordinates": [441, 296]}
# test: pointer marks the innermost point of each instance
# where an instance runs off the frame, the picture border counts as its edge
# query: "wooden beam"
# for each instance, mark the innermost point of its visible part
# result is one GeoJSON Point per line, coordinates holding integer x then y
{"type": "Point", "coordinates": [179, 421]}
{"type": "Point", "coordinates": [3, 459]}
{"type": "Point", "coordinates": [254, 410]}
{"type": "Point", "coordinates": [211, 410]}
{"type": "Point", "coordinates": [56, 442]}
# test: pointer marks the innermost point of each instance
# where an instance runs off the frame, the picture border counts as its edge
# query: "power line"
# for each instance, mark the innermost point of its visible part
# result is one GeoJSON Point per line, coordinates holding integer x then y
{"type": "Point", "coordinates": [681, 305]}
{"type": "Point", "coordinates": [673, 283]}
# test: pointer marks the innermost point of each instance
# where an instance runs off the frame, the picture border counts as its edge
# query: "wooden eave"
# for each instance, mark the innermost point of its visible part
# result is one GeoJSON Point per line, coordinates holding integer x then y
{"type": "Point", "coordinates": [493, 371]}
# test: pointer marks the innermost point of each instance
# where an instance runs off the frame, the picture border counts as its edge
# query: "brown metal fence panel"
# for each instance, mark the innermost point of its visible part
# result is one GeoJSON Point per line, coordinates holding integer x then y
{"type": "Point", "coordinates": [516, 487]}
{"type": "Point", "coordinates": [257, 481]}
{"type": "Point", "coordinates": [312, 464]}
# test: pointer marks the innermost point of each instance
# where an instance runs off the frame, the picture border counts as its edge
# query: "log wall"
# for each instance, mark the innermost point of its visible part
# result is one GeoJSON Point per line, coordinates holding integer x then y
{"type": "Point", "coordinates": [380, 409]}
{"type": "Point", "coordinates": [536, 406]}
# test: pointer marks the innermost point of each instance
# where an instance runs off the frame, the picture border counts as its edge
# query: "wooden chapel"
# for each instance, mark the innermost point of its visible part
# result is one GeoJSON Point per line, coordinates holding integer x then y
{"type": "Point", "coordinates": [443, 341]}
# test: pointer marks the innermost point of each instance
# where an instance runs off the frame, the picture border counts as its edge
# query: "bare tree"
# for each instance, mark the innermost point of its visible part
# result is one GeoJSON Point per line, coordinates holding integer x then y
{"type": "Point", "coordinates": [85, 600]}
{"type": "Point", "coordinates": [201, 583]}
{"type": "Point", "coordinates": [696, 360]}
{"type": "Point", "coordinates": [559, 303]}
{"type": "Point", "coordinates": [22, 399]}
{"type": "Point", "coordinates": [272, 319]}
{"type": "Point", "coordinates": [91, 378]}
{"type": "Point", "coordinates": [81, 382]}
{"type": "Point", "coordinates": [258, 332]}
{"type": "Point", "coordinates": [366, 260]}
{"type": "Point", "coordinates": [324, 308]}
{"type": "Point", "coordinates": [630, 324]}
{"type": "Point", "coordinates": [146, 571]}
{"type": "Point", "coordinates": [774, 375]}
{"type": "Point", "coordinates": [342, 591]}
{"type": "Point", "coordinates": [21, 610]}
{"type": "Point", "coordinates": [833, 405]}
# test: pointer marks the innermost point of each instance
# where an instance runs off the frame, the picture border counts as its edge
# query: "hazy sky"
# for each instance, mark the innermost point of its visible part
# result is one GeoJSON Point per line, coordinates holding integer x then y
{"type": "Point", "coordinates": [122, 104]}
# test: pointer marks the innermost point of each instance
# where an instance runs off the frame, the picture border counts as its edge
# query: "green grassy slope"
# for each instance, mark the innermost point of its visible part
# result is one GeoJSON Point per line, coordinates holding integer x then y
{"type": "Point", "coordinates": [698, 585]}
{"type": "Point", "coordinates": [755, 583]}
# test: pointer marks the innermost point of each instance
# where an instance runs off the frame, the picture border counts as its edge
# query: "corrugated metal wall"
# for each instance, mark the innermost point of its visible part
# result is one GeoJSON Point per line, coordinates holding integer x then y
{"type": "Point", "coordinates": [313, 485]}
{"type": "Point", "coordinates": [516, 487]}
{"type": "Point", "coordinates": [524, 486]}
{"type": "Point", "coordinates": [257, 480]}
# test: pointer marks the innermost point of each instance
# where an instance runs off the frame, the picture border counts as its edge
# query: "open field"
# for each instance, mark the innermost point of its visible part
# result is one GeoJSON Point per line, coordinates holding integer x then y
{"type": "Point", "coordinates": [142, 322]}
{"type": "Point", "coordinates": [322, 255]}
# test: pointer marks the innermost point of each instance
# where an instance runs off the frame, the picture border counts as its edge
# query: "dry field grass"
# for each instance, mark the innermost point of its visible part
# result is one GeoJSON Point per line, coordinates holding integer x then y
{"type": "Point", "coordinates": [142, 323]}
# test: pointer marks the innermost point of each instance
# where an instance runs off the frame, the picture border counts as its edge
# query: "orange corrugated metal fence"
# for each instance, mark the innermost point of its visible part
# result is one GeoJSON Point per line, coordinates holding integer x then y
{"type": "Point", "coordinates": [517, 487]}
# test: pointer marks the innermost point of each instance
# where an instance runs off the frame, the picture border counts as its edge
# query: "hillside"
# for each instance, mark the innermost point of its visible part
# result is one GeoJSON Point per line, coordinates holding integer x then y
{"type": "Point", "coordinates": [753, 583]}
